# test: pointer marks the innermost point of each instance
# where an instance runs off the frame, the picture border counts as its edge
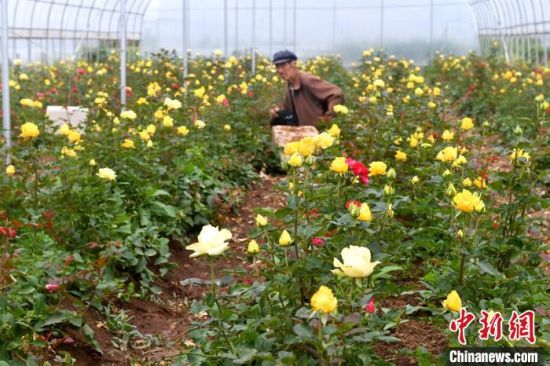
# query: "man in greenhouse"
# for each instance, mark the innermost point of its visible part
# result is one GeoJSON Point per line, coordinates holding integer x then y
{"type": "Point", "coordinates": [308, 99]}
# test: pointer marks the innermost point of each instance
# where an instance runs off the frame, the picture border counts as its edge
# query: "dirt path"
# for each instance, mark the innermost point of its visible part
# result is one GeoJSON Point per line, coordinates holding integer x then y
{"type": "Point", "coordinates": [167, 318]}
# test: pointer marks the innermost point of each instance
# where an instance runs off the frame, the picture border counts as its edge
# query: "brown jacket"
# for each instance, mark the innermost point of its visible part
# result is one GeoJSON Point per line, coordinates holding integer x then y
{"type": "Point", "coordinates": [313, 98]}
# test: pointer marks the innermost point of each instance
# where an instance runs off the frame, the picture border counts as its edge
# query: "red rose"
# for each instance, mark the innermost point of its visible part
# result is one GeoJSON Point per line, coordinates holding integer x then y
{"type": "Point", "coordinates": [175, 85]}
{"type": "Point", "coordinates": [11, 233]}
{"type": "Point", "coordinates": [370, 307]}
{"type": "Point", "coordinates": [225, 102]}
{"type": "Point", "coordinates": [80, 71]}
{"type": "Point", "coordinates": [359, 169]}
{"type": "Point", "coordinates": [51, 287]}
{"type": "Point", "coordinates": [3, 231]}
{"type": "Point", "coordinates": [318, 242]}
{"type": "Point", "coordinates": [353, 203]}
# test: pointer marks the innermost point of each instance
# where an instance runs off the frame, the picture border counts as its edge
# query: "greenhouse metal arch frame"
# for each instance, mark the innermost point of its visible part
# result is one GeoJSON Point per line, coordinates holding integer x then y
{"type": "Point", "coordinates": [521, 27]}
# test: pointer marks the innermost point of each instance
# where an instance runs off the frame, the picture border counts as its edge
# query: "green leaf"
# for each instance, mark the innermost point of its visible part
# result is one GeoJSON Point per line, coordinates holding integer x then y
{"type": "Point", "coordinates": [303, 331]}
{"type": "Point", "coordinates": [383, 273]}
{"type": "Point", "coordinates": [160, 192]}
{"type": "Point", "coordinates": [388, 339]}
{"type": "Point", "coordinates": [488, 268]}
{"type": "Point", "coordinates": [162, 209]}
{"type": "Point", "coordinates": [90, 336]}
{"type": "Point", "coordinates": [245, 356]}
{"type": "Point", "coordinates": [59, 317]}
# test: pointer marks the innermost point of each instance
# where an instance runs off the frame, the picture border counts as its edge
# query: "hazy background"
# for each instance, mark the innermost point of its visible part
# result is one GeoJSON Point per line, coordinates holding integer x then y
{"type": "Point", "coordinates": [344, 27]}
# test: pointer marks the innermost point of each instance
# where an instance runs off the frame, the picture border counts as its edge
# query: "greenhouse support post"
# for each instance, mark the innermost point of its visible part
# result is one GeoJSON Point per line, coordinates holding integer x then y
{"type": "Point", "coordinates": [6, 123]}
{"type": "Point", "coordinates": [185, 38]}
{"type": "Point", "coordinates": [253, 37]}
{"type": "Point", "coordinates": [122, 54]}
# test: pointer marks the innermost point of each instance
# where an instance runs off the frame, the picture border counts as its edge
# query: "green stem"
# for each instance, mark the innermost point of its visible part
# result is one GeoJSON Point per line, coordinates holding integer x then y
{"type": "Point", "coordinates": [321, 346]}
{"type": "Point", "coordinates": [222, 329]}
{"type": "Point", "coordinates": [461, 275]}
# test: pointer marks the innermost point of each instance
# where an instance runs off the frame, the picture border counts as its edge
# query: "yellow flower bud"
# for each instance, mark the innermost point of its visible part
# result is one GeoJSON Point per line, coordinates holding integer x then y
{"type": "Point", "coordinates": [453, 302]}
{"type": "Point", "coordinates": [10, 170]}
{"type": "Point", "coordinates": [285, 238]}
{"type": "Point", "coordinates": [261, 220]}
{"type": "Point", "coordinates": [253, 247]}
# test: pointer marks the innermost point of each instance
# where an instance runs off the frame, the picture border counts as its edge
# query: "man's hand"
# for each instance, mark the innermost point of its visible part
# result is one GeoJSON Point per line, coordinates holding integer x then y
{"type": "Point", "coordinates": [273, 111]}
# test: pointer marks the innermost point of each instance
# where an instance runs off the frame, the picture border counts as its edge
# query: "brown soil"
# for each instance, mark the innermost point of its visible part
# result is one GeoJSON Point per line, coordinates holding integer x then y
{"type": "Point", "coordinates": [168, 316]}
{"type": "Point", "coordinates": [413, 334]}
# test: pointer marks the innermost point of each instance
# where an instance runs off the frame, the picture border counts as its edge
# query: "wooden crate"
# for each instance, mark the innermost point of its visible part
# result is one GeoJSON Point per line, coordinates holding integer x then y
{"type": "Point", "coordinates": [281, 135]}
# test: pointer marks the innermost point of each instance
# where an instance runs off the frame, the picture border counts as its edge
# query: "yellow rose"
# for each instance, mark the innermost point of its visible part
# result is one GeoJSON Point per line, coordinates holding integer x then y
{"type": "Point", "coordinates": [480, 183]}
{"type": "Point", "coordinates": [466, 182]}
{"type": "Point", "coordinates": [211, 241]}
{"type": "Point", "coordinates": [340, 109]}
{"type": "Point", "coordinates": [459, 161]}
{"type": "Point", "coordinates": [285, 238]}
{"type": "Point", "coordinates": [183, 131]}
{"type": "Point", "coordinates": [467, 201]}
{"type": "Point", "coordinates": [10, 170]}
{"type": "Point", "coordinates": [291, 148]}
{"type": "Point", "coordinates": [227, 127]}
{"type": "Point", "coordinates": [324, 140]}
{"type": "Point", "coordinates": [334, 131]}
{"type": "Point", "coordinates": [68, 152]}
{"type": "Point", "coordinates": [131, 115]}
{"type": "Point", "coordinates": [448, 154]}
{"type": "Point", "coordinates": [323, 300]}
{"type": "Point", "coordinates": [447, 135]}
{"type": "Point", "coordinates": [107, 174]}
{"type": "Point", "coordinates": [73, 136]}
{"type": "Point", "coordinates": [167, 121]}
{"type": "Point", "coordinates": [92, 162]}
{"type": "Point", "coordinates": [453, 302]}
{"type": "Point", "coordinates": [466, 123]}
{"type": "Point", "coordinates": [172, 103]}
{"type": "Point", "coordinates": [400, 155]}
{"type": "Point", "coordinates": [379, 83]}
{"type": "Point", "coordinates": [357, 262]}
{"type": "Point", "coordinates": [144, 135]}
{"type": "Point", "coordinates": [63, 130]}
{"type": "Point", "coordinates": [306, 147]}
{"type": "Point", "coordinates": [141, 101]}
{"type": "Point", "coordinates": [128, 144]}
{"type": "Point", "coordinates": [29, 130]}
{"type": "Point", "coordinates": [519, 154]}
{"type": "Point", "coordinates": [364, 213]}
{"type": "Point", "coordinates": [415, 179]}
{"type": "Point", "coordinates": [413, 141]}
{"type": "Point", "coordinates": [253, 247]}
{"type": "Point", "coordinates": [199, 93]}
{"type": "Point", "coordinates": [261, 220]}
{"type": "Point", "coordinates": [295, 160]}
{"type": "Point", "coordinates": [377, 168]}
{"type": "Point", "coordinates": [339, 165]}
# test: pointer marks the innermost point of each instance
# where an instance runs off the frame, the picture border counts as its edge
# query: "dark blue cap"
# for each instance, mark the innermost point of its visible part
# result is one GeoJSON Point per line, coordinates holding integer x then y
{"type": "Point", "coordinates": [284, 56]}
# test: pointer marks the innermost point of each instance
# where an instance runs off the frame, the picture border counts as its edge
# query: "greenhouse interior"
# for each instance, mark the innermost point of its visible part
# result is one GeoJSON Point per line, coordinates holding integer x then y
{"type": "Point", "coordinates": [274, 182]}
